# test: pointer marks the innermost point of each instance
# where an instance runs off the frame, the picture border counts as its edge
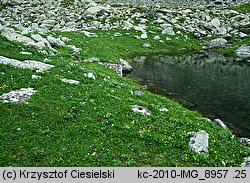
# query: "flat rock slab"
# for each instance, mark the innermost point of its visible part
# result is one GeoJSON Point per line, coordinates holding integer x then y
{"type": "Point", "coordinates": [70, 81]}
{"type": "Point", "coordinates": [199, 142]}
{"type": "Point", "coordinates": [27, 64]}
{"type": "Point", "coordinates": [20, 95]}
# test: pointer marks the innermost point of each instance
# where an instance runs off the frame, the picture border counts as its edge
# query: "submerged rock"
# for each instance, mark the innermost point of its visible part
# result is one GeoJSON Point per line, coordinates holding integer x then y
{"type": "Point", "coordinates": [199, 142]}
{"type": "Point", "coordinates": [20, 95]}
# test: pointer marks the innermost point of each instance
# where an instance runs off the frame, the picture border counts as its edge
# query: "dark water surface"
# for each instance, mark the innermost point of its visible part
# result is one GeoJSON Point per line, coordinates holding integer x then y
{"type": "Point", "coordinates": [216, 86]}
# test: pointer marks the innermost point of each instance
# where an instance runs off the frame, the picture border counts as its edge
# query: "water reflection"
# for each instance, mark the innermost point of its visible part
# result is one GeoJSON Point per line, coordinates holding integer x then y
{"type": "Point", "coordinates": [213, 84]}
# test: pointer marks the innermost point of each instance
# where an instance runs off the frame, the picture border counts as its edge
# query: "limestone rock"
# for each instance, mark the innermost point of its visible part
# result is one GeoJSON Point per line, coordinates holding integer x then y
{"type": "Point", "coordinates": [77, 51]}
{"type": "Point", "coordinates": [126, 67]}
{"type": "Point", "coordinates": [116, 67]}
{"type": "Point", "coordinates": [93, 59]}
{"type": "Point", "coordinates": [217, 43]}
{"type": "Point", "coordinates": [245, 141]}
{"type": "Point", "coordinates": [246, 162]}
{"type": "Point", "coordinates": [141, 109]}
{"type": "Point", "coordinates": [27, 64]}
{"type": "Point", "coordinates": [199, 142]}
{"type": "Point", "coordinates": [70, 81]}
{"type": "Point", "coordinates": [55, 41]}
{"type": "Point", "coordinates": [20, 95]}
{"type": "Point", "coordinates": [243, 51]}
{"type": "Point", "coordinates": [89, 75]}
{"type": "Point", "coordinates": [168, 31]}
{"type": "Point", "coordinates": [219, 122]}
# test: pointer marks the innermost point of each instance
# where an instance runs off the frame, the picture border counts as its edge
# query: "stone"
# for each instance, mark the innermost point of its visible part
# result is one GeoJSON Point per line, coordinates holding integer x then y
{"type": "Point", "coordinates": [116, 67]}
{"type": "Point", "coordinates": [21, 95]}
{"type": "Point", "coordinates": [27, 64]}
{"type": "Point", "coordinates": [25, 53]}
{"type": "Point", "coordinates": [93, 59]}
{"type": "Point", "coordinates": [141, 109]}
{"type": "Point", "coordinates": [163, 109]}
{"type": "Point", "coordinates": [35, 77]}
{"type": "Point", "coordinates": [246, 162]}
{"type": "Point", "coordinates": [55, 41]}
{"type": "Point", "coordinates": [245, 141]}
{"type": "Point", "coordinates": [48, 24]}
{"type": "Point", "coordinates": [217, 43]}
{"type": "Point", "coordinates": [70, 81]}
{"type": "Point", "coordinates": [168, 31]}
{"type": "Point", "coordinates": [15, 2]}
{"type": "Point", "coordinates": [137, 92]}
{"type": "Point", "coordinates": [126, 67]}
{"type": "Point", "coordinates": [199, 142]}
{"type": "Point", "coordinates": [89, 75]}
{"type": "Point", "coordinates": [77, 51]}
{"type": "Point", "coordinates": [13, 36]}
{"type": "Point", "coordinates": [219, 122]}
{"type": "Point", "coordinates": [157, 38]}
{"type": "Point", "coordinates": [89, 34]}
{"type": "Point", "coordinates": [144, 36]}
{"type": "Point", "coordinates": [146, 45]}
{"type": "Point", "coordinates": [243, 51]}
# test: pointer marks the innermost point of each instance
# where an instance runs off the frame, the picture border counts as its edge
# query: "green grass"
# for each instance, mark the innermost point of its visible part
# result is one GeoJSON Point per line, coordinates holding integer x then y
{"type": "Point", "coordinates": [242, 8]}
{"type": "Point", "coordinates": [2, 6]}
{"type": "Point", "coordinates": [92, 124]}
{"type": "Point", "coordinates": [66, 3]}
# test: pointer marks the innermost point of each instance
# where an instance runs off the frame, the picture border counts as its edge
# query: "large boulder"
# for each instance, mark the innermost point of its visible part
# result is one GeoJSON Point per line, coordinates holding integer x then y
{"type": "Point", "coordinates": [199, 142]}
{"type": "Point", "coordinates": [243, 51]}
{"type": "Point", "coordinates": [126, 67]}
{"type": "Point", "coordinates": [217, 43]}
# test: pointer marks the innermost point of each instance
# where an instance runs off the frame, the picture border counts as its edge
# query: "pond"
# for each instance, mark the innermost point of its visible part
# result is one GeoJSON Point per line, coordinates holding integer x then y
{"type": "Point", "coordinates": [211, 83]}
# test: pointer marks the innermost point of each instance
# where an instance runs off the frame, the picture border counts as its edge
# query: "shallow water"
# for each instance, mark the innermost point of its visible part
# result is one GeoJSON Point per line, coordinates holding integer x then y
{"type": "Point", "coordinates": [215, 85]}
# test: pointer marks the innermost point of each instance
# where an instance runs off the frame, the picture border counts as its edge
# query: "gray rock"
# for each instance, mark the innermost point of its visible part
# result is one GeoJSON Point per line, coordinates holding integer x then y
{"type": "Point", "coordinates": [15, 2]}
{"type": "Point", "coordinates": [146, 45]}
{"type": "Point", "coordinates": [219, 122]}
{"type": "Point", "coordinates": [77, 51]}
{"type": "Point", "coordinates": [157, 38]}
{"type": "Point", "coordinates": [93, 59]}
{"type": "Point", "coordinates": [245, 141]}
{"type": "Point", "coordinates": [141, 109]}
{"type": "Point", "coordinates": [217, 43]}
{"type": "Point", "coordinates": [126, 67]}
{"type": "Point", "coordinates": [199, 142]}
{"type": "Point", "coordinates": [70, 81]}
{"type": "Point", "coordinates": [89, 75]}
{"type": "Point", "coordinates": [89, 34]}
{"type": "Point", "coordinates": [35, 77]}
{"type": "Point", "coordinates": [116, 67]}
{"type": "Point", "coordinates": [25, 53]}
{"type": "Point", "coordinates": [168, 31]}
{"type": "Point", "coordinates": [20, 95]}
{"type": "Point", "coordinates": [246, 162]}
{"type": "Point", "coordinates": [163, 109]}
{"type": "Point", "coordinates": [27, 64]}
{"type": "Point", "coordinates": [144, 36]}
{"type": "Point", "coordinates": [137, 92]}
{"type": "Point", "coordinates": [55, 41]}
{"type": "Point", "coordinates": [243, 51]}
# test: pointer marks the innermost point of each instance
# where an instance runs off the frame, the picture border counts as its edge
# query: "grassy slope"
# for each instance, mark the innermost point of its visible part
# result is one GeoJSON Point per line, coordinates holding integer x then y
{"type": "Point", "coordinates": [56, 130]}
